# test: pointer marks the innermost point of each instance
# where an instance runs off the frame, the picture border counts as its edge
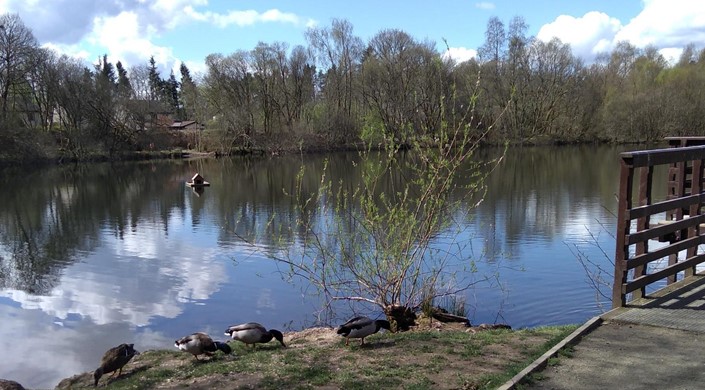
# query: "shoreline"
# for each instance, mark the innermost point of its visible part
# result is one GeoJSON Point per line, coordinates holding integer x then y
{"type": "Point", "coordinates": [436, 355]}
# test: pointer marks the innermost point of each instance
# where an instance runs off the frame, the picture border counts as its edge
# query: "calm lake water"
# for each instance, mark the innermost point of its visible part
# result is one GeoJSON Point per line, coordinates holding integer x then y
{"type": "Point", "coordinates": [93, 256]}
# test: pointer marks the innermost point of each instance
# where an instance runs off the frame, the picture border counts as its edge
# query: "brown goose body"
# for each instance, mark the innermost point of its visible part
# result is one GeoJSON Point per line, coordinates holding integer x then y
{"type": "Point", "coordinates": [114, 359]}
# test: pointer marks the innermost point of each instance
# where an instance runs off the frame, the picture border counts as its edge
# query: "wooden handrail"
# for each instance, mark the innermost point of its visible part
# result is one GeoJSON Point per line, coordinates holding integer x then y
{"type": "Point", "coordinates": [636, 220]}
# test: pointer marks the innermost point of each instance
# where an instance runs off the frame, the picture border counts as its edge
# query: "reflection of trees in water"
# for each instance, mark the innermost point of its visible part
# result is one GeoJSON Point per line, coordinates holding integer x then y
{"type": "Point", "coordinates": [48, 215]}
{"type": "Point", "coordinates": [257, 201]}
{"type": "Point", "coordinates": [539, 189]}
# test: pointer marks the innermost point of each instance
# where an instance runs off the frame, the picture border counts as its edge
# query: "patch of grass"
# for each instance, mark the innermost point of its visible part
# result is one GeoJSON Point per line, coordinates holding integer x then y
{"type": "Point", "coordinates": [531, 378]}
{"type": "Point", "coordinates": [422, 384]}
{"type": "Point", "coordinates": [297, 377]}
{"type": "Point", "coordinates": [567, 351]}
{"type": "Point", "coordinates": [203, 368]}
{"type": "Point", "coordinates": [471, 349]}
{"type": "Point", "coordinates": [426, 349]}
{"type": "Point", "coordinates": [415, 336]}
{"type": "Point", "coordinates": [556, 334]}
{"type": "Point", "coordinates": [141, 379]}
{"type": "Point", "coordinates": [411, 360]}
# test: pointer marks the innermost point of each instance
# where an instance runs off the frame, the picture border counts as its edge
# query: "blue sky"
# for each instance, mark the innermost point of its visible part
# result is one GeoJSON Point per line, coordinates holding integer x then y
{"type": "Point", "coordinates": [188, 30]}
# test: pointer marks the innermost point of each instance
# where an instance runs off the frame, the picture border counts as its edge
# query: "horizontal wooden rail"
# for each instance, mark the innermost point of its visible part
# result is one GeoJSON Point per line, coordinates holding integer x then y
{"type": "Point", "coordinates": [650, 158]}
{"type": "Point", "coordinates": [665, 229]}
{"type": "Point", "coordinates": [678, 219]}
{"type": "Point", "coordinates": [662, 274]}
{"type": "Point", "coordinates": [645, 211]}
{"type": "Point", "coordinates": [660, 253]}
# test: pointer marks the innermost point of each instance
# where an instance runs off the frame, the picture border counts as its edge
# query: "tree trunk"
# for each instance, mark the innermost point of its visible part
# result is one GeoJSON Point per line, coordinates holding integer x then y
{"type": "Point", "coordinates": [400, 317]}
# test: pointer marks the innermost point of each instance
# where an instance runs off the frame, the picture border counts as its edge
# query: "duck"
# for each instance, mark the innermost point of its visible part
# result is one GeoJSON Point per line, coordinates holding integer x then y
{"type": "Point", "coordinates": [113, 361]}
{"type": "Point", "coordinates": [253, 333]}
{"type": "Point", "coordinates": [361, 327]}
{"type": "Point", "coordinates": [200, 343]}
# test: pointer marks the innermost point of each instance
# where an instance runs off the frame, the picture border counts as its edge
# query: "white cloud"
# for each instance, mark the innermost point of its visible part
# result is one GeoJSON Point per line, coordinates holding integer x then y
{"type": "Point", "coordinates": [127, 29]}
{"type": "Point", "coordinates": [587, 35]}
{"type": "Point", "coordinates": [123, 39]}
{"type": "Point", "coordinates": [485, 5]}
{"type": "Point", "coordinates": [671, 54]}
{"type": "Point", "coordinates": [669, 25]}
{"type": "Point", "coordinates": [246, 18]}
{"type": "Point", "coordinates": [311, 23]}
{"type": "Point", "coordinates": [665, 23]}
{"type": "Point", "coordinates": [195, 67]}
{"type": "Point", "coordinates": [460, 54]}
{"type": "Point", "coordinates": [69, 50]}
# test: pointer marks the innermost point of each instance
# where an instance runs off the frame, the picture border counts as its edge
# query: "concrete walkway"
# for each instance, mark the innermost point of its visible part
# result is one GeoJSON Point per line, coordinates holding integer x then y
{"type": "Point", "coordinates": [656, 343]}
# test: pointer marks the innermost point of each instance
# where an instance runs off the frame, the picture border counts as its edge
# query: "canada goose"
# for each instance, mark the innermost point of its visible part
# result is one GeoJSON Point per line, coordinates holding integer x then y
{"type": "Point", "coordinates": [252, 333]}
{"type": "Point", "coordinates": [361, 327]}
{"type": "Point", "coordinates": [113, 361]}
{"type": "Point", "coordinates": [199, 344]}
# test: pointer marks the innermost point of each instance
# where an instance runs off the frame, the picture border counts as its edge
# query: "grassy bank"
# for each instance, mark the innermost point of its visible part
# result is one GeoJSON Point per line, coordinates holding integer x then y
{"type": "Point", "coordinates": [451, 358]}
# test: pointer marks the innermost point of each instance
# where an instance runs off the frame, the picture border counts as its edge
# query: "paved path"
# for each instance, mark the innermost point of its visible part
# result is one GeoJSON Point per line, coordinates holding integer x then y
{"type": "Point", "coordinates": [659, 343]}
{"type": "Point", "coordinates": [629, 356]}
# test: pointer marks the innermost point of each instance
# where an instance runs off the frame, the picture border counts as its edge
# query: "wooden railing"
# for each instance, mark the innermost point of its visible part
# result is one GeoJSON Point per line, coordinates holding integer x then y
{"type": "Point", "coordinates": [677, 188]}
{"type": "Point", "coordinates": [677, 220]}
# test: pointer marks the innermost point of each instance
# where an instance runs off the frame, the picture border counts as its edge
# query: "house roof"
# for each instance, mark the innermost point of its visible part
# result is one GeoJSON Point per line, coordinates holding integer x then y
{"type": "Point", "coordinates": [181, 124]}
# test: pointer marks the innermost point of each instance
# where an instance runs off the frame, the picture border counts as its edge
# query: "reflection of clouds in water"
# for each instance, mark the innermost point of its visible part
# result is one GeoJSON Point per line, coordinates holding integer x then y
{"type": "Point", "coordinates": [21, 367]}
{"type": "Point", "coordinates": [132, 279]}
{"type": "Point", "coordinates": [584, 222]}
{"type": "Point", "coordinates": [143, 241]}
{"type": "Point", "coordinates": [98, 301]}
{"type": "Point", "coordinates": [73, 348]}
{"type": "Point", "coordinates": [265, 301]}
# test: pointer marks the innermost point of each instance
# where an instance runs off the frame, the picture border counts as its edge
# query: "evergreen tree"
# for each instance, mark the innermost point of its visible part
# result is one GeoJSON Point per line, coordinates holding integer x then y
{"type": "Point", "coordinates": [123, 82]}
{"type": "Point", "coordinates": [185, 74]}
{"type": "Point", "coordinates": [107, 70]}
{"type": "Point", "coordinates": [156, 84]}
{"type": "Point", "coordinates": [171, 95]}
{"type": "Point", "coordinates": [187, 93]}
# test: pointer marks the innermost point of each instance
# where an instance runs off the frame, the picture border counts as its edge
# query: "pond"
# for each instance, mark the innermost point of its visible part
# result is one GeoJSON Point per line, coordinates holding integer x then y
{"type": "Point", "coordinates": [92, 256]}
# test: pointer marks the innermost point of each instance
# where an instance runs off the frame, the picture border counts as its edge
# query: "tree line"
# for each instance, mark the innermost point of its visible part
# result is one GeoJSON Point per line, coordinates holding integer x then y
{"type": "Point", "coordinates": [340, 90]}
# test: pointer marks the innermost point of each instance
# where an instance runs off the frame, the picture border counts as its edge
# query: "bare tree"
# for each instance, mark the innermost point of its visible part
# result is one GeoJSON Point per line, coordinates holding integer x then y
{"type": "Point", "coordinates": [301, 72]}
{"type": "Point", "coordinates": [495, 43]}
{"type": "Point", "coordinates": [74, 82]}
{"type": "Point", "coordinates": [263, 63]}
{"type": "Point", "coordinates": [17, 49]}
{"type": "Point", "coordinates": [492, 57]}
{"type": "Point", "coordinates": [553, 68]}
{"type": "Point", "coordinates": [39, 79]}
{"type": "Point", "coordinates": [338, 51]}
{"type": "Point", "coordinates": [338, 54]}
{"type": "Point", "coordinates": [229, 90]}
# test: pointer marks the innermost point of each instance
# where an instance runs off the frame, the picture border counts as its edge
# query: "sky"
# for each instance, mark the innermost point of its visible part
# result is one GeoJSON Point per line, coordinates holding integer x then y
{"type": "Point", "coordinates": [188, 30]}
